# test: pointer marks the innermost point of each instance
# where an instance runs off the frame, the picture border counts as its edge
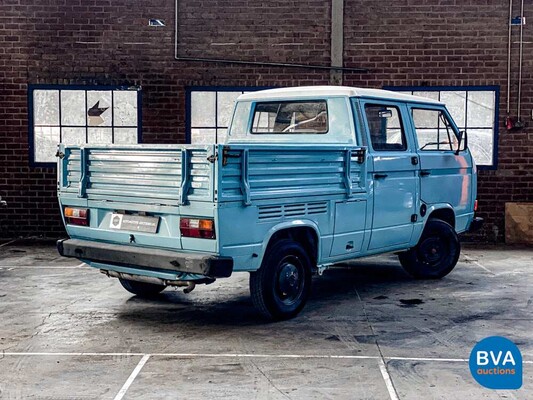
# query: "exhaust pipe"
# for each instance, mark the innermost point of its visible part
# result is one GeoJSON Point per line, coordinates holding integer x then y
{"type": "Point", "coordinates": [189, 285]}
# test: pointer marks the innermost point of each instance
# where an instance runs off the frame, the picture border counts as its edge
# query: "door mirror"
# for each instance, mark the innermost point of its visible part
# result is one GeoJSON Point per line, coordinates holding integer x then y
{"type": "Point", "coordinates": [462, 143]}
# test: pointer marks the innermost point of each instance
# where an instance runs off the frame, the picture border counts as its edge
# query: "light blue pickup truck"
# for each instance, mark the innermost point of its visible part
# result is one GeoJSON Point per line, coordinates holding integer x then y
{"type": "Point", "coordinates": [308, 177]}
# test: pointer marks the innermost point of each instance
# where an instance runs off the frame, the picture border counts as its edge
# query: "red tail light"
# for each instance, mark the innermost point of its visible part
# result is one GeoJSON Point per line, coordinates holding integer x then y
{"type": "Point", "coordinates": [77, 216]}
{"type": "Point", "coordinates": [197, 228]}
{"type": "Point", "coordinates": [475, 205]}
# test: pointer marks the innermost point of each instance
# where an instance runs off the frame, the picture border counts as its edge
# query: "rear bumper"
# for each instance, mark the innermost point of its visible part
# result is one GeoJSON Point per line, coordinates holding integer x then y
{"type": "Point", "coordinates": [141, 257]}
{"type": "Point", "coordinates": [476, 224]}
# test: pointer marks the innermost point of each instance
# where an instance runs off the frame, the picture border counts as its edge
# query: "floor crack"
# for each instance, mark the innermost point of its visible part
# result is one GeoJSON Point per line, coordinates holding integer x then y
{"type": "Point", "coordinates": [269, 380]}
{"type": "Point", "coordinates": [383, 364]}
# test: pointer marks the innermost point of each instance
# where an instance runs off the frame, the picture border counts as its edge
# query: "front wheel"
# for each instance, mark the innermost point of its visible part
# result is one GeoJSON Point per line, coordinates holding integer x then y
{"type": "Point", "coordinates": [141, 289]}
{"type": "Point", "coordinates": [281, 287]}
{"type": "Point", "coordinates": [436, 253]}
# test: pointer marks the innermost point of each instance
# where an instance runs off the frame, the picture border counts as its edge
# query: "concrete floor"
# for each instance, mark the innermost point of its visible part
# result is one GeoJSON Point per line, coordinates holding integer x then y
{"type": "Point", "coordinates": [369, 332]}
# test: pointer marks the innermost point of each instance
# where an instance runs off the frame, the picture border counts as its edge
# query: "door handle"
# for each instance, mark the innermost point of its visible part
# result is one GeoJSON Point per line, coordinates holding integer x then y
{"type": "Point", "coordinates": [425, 173]}
{"type": "Point", "coordinates": [380, 176]}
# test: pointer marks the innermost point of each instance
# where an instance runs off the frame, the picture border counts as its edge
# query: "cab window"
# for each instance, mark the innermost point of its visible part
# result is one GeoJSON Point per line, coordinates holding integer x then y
{"type": "Point", "coordinates": [433, 130]}
{"type": "Point", "coordinates": [290, 117]}
{"type": "Point", "coordinates": [385, 127]}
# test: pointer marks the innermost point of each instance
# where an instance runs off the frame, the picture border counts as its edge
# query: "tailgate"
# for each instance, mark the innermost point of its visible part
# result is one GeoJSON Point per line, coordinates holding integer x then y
{"type": "Point", "coordinates": [136, 194]}
{"type": "Point", "coordinates": [161, 175]}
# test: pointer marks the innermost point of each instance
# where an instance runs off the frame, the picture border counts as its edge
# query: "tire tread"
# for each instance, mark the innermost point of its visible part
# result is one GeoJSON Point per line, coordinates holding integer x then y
{"type": "Point", "coordinates": [409, 259]}
{"type": "Point", "coordinates": [258, 279]}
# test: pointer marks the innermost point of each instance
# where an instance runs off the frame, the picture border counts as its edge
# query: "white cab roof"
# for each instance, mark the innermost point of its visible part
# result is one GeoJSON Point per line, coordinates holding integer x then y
{"type": "Point", "coordinates": [332, 91]}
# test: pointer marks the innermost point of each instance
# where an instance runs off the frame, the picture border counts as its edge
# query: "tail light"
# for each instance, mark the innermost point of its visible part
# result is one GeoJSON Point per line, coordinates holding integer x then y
{"type": "Point", "coordinates": [475, 205]}
{"type": "Point", "coordinates": [197, 228]}
{"type": "Point", "coordinates": [77, 216]}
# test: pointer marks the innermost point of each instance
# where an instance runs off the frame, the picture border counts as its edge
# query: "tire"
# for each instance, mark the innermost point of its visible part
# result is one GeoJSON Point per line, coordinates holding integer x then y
{"type": "Point", "coordinates": [435, 255]}
{"type": "Point", "coordinates": [281, 287]}
{"type": "Point", "coordinates": [141, 289]}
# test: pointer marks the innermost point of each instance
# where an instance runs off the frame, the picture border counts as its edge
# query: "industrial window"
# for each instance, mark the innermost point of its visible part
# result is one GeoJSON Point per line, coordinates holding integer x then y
{"type": "Point", "coordinates": [475, 110]}
{"type": "Point", "coordinates": [209, 112]}
{"type": "Point", "coordinates": [79, 115]}
{"type": "Point", "coordinates": [286, 117]}
{"type": "Point", "coordinates": [385, 127]}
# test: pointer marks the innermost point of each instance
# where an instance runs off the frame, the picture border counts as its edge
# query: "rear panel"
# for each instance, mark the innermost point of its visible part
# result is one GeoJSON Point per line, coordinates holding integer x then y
{"type": "Point", "coordinates": [159, 182]}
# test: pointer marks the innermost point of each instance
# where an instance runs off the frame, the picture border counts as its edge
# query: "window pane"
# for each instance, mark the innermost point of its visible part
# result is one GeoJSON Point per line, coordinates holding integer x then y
{"type": "Point", "coordinates": [126, 135]}
{"type": "Point", "coordinates": [46, 107]}
{"type": "Point", "coordinates": [99, 111]}
{"type": "Point", "coordinates": [386, 132]}
{"type": "Point", "coordinates": [480, 143]}
{"type": "Point", "coordinates": [222, 134]}
{"type": "Point", "coordinates": [202, 136]}
{"type": "Point", "coordinates": [425, 118]}
{"type": "Point", "coordinates": [480, 109]}
{"type": "Point", "coordinates": [203, 109]}
{"type": "Point", "coordinates": [226, 102]}
{"type": "Point", "coordinates": [433, 130]}
{"type": "Point", "coordinates": [100, 135]}
{"type": "Point", "coordinates": [240, 120]}
{"type": "Point", "coordinates": [456, 105]}
{"type": "Point", "coordinates": [73, 135]}
{"type": "Point", "coordinates": [73, 107]}
{"type": "Point", "coordinates": [290, 117]}
{"type": "Point", "coordinates": [45, 145]}
{"type": "Point", "coordinates": [125, 107]}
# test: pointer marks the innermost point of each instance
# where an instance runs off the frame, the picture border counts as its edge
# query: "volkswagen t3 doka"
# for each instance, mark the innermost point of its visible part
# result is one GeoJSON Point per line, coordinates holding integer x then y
{"type": "Point", "coordinates": [308, 177]}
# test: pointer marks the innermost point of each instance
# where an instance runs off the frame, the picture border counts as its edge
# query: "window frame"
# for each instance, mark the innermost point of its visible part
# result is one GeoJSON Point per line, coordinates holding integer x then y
{"type": "Point", "coordinates": [86, 88]}
{"type": "Point", "coordinates": [473, 88]}
{"type": "Point", "coordinates": [188, 104]}
{"type": "Point", "coordinates": [403, 127]}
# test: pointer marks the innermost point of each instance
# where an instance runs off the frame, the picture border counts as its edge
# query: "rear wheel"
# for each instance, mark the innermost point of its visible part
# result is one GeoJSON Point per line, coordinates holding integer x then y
{"type": "Point", "coordinates": [436, 254]}
{"type": "Point", "coordinates": [281, 287]}
{"type": "Point", "coordinates": [141, 289]}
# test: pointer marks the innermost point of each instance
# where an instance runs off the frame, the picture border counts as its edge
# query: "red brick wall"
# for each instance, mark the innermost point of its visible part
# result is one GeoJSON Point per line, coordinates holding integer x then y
{"type": "Point", "coordinates": [441, 43]}
{"type": "Point", "coordinates": [430, 42]}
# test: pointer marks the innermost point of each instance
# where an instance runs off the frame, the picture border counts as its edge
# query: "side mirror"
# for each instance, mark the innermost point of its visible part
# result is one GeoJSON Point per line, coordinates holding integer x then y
{"type": "Point", "coordinates": [462, 143]}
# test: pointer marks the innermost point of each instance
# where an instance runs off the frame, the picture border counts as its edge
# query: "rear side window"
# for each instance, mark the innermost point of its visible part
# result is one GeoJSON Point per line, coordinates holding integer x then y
{"type": "Point", "coordinates": [385, 126]}
{"type": "Point", "coordinates": [433, 130]}
{"type": "Point", "coordinates": [296, 117]}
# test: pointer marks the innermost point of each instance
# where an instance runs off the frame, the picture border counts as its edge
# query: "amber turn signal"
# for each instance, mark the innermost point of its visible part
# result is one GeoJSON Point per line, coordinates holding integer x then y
{"type": "Point", "coordinates": [77, 216]}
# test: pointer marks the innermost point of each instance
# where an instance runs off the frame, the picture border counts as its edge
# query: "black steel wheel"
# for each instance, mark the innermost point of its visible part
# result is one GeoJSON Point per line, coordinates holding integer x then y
{"type": "Point", "coordinates": [281, 287]}
{"type": "Point", "coordinates": [141, 289]}
{"type": "Point", "coordinates": [436, 254]}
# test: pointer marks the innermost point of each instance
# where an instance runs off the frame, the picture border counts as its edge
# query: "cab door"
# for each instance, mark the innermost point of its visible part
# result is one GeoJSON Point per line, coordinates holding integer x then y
{"type": "Point", "coordinates": [394, 175]}
{"type": "Point", "coordinates": [445, 175]}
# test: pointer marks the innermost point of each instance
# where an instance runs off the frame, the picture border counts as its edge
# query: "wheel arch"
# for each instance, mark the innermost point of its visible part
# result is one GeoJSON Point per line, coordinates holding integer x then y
{"type": "Point", "coordinates": [444, 212]}
{"type": "Point", "coordinates": [304, 232]}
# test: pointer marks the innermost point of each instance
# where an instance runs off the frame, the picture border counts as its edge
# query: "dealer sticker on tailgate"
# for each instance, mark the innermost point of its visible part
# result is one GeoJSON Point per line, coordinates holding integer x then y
{"type": "Point", "coordinates": [137, 223]}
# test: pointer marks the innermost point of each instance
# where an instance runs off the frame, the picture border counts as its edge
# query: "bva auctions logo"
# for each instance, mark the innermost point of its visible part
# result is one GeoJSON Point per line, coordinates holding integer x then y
{"type": "Point", "coordinates": [496, 363]}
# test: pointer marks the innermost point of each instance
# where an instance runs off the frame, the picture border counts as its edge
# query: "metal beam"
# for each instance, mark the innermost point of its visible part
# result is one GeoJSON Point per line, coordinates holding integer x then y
{"type": "Point", "coordinates": [337, 41]}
